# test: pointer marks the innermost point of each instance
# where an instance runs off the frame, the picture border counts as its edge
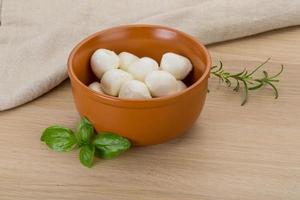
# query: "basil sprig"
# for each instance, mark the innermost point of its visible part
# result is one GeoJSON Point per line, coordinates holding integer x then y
{"type": "Point", "coordinates": [105, 145]}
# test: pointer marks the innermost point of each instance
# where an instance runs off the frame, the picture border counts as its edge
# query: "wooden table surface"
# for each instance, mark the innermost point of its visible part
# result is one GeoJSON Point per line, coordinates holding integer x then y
{"type": "Point", "coordinates": [232, 152]}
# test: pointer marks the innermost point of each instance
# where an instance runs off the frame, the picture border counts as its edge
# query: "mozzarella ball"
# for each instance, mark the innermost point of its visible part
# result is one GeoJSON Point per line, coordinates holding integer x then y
{"type": "Point", "coordinates": [103, 60]}
{"type": "Point", "coordinates": [113, 79]}
{"type": "Point", "coordinates": [180, 86]}
{"type": "Point", "coordinates": [96, 86]}
{"type": "Point", "coordinates": [126, 59]}
{"type": "Point", "coordinates": [161, 83]}
{"type": "Point", "coordinates": [134, 90]}
{"type": "Point", "coordinates": [142, 67]}
{"type": "Point", "coordinates": [179, 66]}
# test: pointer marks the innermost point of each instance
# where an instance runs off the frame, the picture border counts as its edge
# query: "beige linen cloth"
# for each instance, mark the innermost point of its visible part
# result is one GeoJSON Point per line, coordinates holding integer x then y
{"type": "Point", "coordinates": [36, 36]}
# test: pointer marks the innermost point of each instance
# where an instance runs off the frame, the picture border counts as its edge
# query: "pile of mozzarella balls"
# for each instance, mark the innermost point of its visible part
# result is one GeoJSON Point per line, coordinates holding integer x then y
{"type": "Point", "coordinates": [129, 77]}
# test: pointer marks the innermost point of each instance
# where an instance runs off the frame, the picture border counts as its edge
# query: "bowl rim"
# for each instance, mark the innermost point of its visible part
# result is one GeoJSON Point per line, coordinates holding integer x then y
{"type": "Point", "coordinates": [115, 100]}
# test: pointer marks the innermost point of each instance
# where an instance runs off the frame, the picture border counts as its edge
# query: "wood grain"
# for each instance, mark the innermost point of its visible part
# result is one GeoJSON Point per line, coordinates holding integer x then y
{"type": "Point", "coordinates": [232, 152]}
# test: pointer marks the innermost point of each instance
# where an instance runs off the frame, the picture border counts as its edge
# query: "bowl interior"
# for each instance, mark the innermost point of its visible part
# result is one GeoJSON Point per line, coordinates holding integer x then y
{"type": "Point", "coordinates": [150, 41]}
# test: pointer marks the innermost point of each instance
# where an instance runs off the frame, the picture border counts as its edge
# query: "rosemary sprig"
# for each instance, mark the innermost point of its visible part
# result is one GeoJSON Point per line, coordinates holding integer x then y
{"type": "Point", "coordinates": [247, 79]}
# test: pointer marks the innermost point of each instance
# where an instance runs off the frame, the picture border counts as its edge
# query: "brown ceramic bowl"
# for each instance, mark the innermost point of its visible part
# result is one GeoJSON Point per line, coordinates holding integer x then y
{"type": "Point", "coordinates": [144, 122]}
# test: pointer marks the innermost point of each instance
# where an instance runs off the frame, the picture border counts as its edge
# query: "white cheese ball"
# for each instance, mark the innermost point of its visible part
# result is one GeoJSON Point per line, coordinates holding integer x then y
{"type": "Point", "coordinates": [112, 81]}
{"type": "Point", "coordinates": [134, 89]}
{"type": "Point", "coordinates": [179, 66]}
{"type": "Point", "coordinates": [126, 59]}
{"type": "Point", "coordinates": [96, 86]}
{"type": "Point", "coordinates": [142, 67]}
{"type": "Point", "coordinates": [161, 83]}
{"type": "Point", "coordinates": [103, 60]}
{"type": "Point", "coordinates": [180, 86]}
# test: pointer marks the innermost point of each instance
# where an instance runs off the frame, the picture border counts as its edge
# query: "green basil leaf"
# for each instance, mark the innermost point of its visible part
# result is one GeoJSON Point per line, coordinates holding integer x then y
{"type": "Point", "coordinates": [59, 138]}
{"type": "Point", "coordinates": [109, 145]}
{"type": "Point", "coordinates": [86, 155]}
{"type": "Point", "coordinates": [85, 131]}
